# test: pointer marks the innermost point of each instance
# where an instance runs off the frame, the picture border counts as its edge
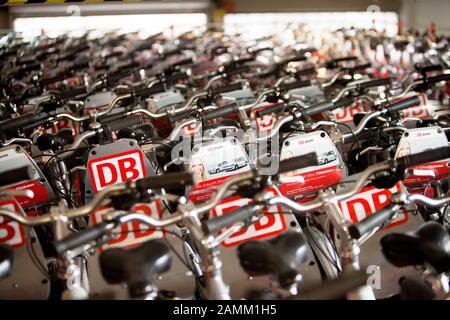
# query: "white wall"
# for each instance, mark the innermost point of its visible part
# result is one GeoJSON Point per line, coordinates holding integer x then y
{"type": "Point", "coordinates": [419, 14]}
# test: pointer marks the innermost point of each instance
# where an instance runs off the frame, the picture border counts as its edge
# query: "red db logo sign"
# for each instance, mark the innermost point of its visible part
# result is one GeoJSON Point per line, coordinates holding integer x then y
{"type": "Point", "coordinates": [271, 224]}
{"type": "Point", "coordinates": [369, 200]}
{"type": "Point", "coordinates": [132, 233]}
{"type": "Point", "coordinates": [116, 168]}
{"type": "Point", "coordinates": [11, 232]}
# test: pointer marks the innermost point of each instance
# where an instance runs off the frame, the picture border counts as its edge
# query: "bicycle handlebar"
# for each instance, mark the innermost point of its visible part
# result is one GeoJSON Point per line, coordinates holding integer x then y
{"type": "Point", "coordinates": [376, 219]}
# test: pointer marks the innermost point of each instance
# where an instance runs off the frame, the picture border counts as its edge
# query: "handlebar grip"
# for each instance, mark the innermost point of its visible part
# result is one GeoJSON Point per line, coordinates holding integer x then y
{"type": "Point", "coordinates": [305, 72]}
{"type": "Point", "coordinates": [328, 106]}
{"type": "Point", "coordinates": [439, 78]}
{"type": "Point", "coordinates": [238, 70]}
{"type": "Point", "coordinates": [228, 88]}
{"type": "Point", "coordinates": [168, 180]}
{"type": "Point", "coordinates": [242, 60]}
{"type": "Point", "coordinates": [80, 64]}
{"type": "Point", "coordinates": [292, 59]}
{"type": "Point", "coordinates": [375, 83]}
{"type": "Point", "coordinates": [343, 102]}
{"type": "Point", "coordinates": [376, 219]}
{"type": "Point", "coordinates": [429, 68]}
{"type": "Point", "coordinates": [294, 85]}
{"type": "Point", "coordinates": [222, 112]}
{"type": "Point", "coordinates": [423, 157]}
{"type": "Point", "coordinates": [126, 66]}
{"type": "Point", "coordinates": [358, 67]}
{"type": "Point", "coordinates": [307, 160]}
{"type": "Point", "coordinates": [336, 288]}
{"type": "Point", "coordinates": [258, 50]}
{"type": "Point", "coordinates": [145, 92]}
{"type": "Point", "coordinates": [74, 93]}
{"type": "Point", "coordinates": [30, 67]}
{"type": "Point", "coordinates": [175, 77]}
{"type": "Point", "coordinates": [16, 175]}
{"type": "Point", "coordinates": [124, 123]}
{"type": "Point", "coordinates": [241, 214]}
{"type": "Point", "coordinates": [16, 123]}
{"type": "Point", "coordinates": [403, 104]}
{"type": "Point", "coordinates": [57, 78]}
{"type": "Point", "coordinates": [333, 63]}
{"type": "Point", "coordinates": [342, 59]}
{"type": "Point", "coordinates": [319, 107]}
{"type": "Point", "coordinates": [182, 62]}
{"type": "Point", "coordinates": [78, 239]}
{"type": "Point", "coordinates": [272, 109]}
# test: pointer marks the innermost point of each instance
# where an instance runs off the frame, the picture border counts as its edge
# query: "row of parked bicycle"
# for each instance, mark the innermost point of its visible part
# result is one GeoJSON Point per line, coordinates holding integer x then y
{"type": "Point", "coordinates": [209, 167]}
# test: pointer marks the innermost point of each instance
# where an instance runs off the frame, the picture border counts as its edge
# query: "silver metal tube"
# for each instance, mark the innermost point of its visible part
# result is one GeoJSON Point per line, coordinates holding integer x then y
{"type": "Point", "coordinates": [429, 202]}
{"type": "Point", "coordinates": [157, 223]}
{"type": "Point", "coordinates": [147, 113]}
{"type": "Point", "coordinates": [212, 80]}
{"type": "Point", "coordinates": [94, 203]}
{"type": "Point", "coordinates": [276, 128]}
{"type": "Point", "coordinates": [114, 103]}
{"type": "Point", "coordinates": [295, 206]}
{"type": "Point", "coordinates": [34, 221]}
{"type": "Point", "coordinates": [369, 116]}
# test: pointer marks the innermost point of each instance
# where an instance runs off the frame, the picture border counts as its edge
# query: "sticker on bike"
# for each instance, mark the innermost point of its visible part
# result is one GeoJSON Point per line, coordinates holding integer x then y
{"type": "Point", "coordinates": [328, 172]}
{"type": "Point", "coordinates": [11, 232]}
{"type": "Point", "coordinates": [213, 163]}
{"type": "Point", "coordinates": [132, 233]}
{"type": "Point", "coordinates": [369, 200]}
{"type": "Point", "coordinates": [270, 224]}
{"type": "Point", "coordinates": [116, 168]}
{"type": "Point", "coordinates": [420, 140]}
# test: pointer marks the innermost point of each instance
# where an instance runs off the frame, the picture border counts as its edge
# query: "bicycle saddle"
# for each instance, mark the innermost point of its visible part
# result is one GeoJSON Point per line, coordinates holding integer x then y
{"type": "Point", "coordinates": [412, 289]}
{"type": "Point", "coordinates": [6, 260]}
{"type": "Point", "coordinates": [137, 267]}
{"type": "Point", "coordinates": [430, 243]}
{"type": "Point", "coordinates": [280, 256]}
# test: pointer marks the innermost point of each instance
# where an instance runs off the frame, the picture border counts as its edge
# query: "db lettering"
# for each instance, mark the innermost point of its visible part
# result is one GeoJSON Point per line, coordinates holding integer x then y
{"type": "Point", "coordinates": [116, 168]}
{"type": "Point", "coordinates": [269, 225]}
{"type": "Point", "coordinates": [11, 232]}
{"type": "Point", "coordinates": [420, 112]}
{"type": "Point", "coordinates": [63, 124]}
{"type": "Point", "coordinates": [368, 201]}
{"type": "Point", "coordinates": [346, 114]}
{"type": "Point", "coordinates": [132, 233]}
{"type": "Point", "coordinates": [265, 123]}
{"type": "Point", "coordinates": [191, 129]}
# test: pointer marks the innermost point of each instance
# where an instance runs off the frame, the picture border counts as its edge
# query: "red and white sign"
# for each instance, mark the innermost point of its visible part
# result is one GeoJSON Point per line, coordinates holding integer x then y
{"type": "Point", "coordinates": [205, 189]}
{"type": "Point", "coordinates": [314, 181]}
{"type": "Point", "coordinates": [63, 124]}
{"type": "Point", "coordinates": [39, 190]}
{"type": "Point", "coordinates": [11, 232]}
{"type": "Point", "coordinates": [133, 233]}
{"type": "Point", "coordinates": [420, 111]}
{"type": "Point", "coordinates": [345, 114]}
{"type": "Point", "coordinates": [271, 224]}
{"type": "Point", "coordinates": [266, 122]}
{"type": "Point", "coordinates": [368, 201]}
{"type": "Point", "coordinates": [190, 130]}
{"type": "Point", "coordinates": [315, 178]}
{"type": "Point", "coordinates": [212, 164]}
{"type": "Point", "coordinates": [440, 170]}
{"type": "Point", "coordinates": [419, 140]}
{"type": "Point", "coordinates": [116, 168]}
